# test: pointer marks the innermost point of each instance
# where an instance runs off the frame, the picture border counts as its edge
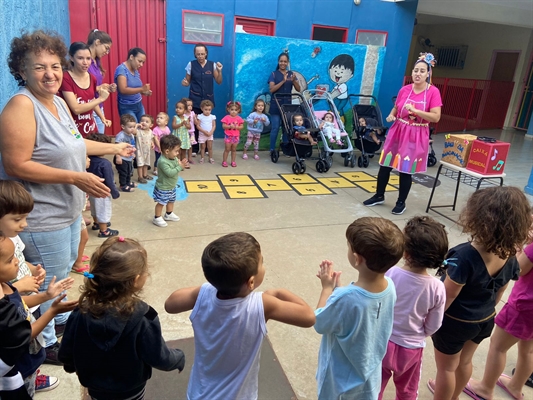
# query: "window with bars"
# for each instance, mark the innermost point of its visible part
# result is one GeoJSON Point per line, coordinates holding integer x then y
{"type": "Point", "coordinates": [203, 27]}
{"type": "Point", "coordinates": [371, 38]}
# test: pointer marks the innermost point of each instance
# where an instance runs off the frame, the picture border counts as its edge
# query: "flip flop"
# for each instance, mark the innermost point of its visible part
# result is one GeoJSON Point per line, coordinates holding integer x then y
{"type": "Point", "coordinates": [470, 392]}
{"type": "Point", "coordinates": [81, 270]}
{"type": "Point", "coordinates": [85, 259]}
{"type": "Point", "coordinates": [431, 385]}
{"type": "Point", "coordinates": [502, 385]}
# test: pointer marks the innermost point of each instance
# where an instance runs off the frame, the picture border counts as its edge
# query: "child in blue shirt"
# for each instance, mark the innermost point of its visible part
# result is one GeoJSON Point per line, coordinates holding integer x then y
{"type": "Point", "coordinates": [124, 164]}
{"type": "Point", "coordinates": [356, 320]}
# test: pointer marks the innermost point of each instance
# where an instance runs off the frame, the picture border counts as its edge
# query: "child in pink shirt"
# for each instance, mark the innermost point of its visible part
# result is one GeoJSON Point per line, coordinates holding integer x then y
{"type": "Point", "coordinates": [419, 305]}
{"type": "Point", "coordinates": [160, 130]}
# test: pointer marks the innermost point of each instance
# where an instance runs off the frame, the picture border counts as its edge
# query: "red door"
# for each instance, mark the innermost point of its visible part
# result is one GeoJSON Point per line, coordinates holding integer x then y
{"type": "Point", "coordinates": [130, 23]}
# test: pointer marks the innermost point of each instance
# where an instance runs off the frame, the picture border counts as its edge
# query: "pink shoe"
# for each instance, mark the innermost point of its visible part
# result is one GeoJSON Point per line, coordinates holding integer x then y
{"type": "Point", "coordinates": [233, 164]}
{"type": "Point", "coordinates": [339, 142]}
{"type": "Point", "coordinates": [245, 156]}
{"type": "Point", "coordinates": [224, 164]}
{"type": "Point", "coordinates": [332, 140]}
{"type": "Point", "coordinates": [256, 157]}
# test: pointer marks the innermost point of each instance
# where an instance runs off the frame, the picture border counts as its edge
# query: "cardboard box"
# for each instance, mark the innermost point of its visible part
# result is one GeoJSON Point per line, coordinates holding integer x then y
{"type": "Point", "coordinates": [488, 158]}
{"type": "Point", "coordinates": [457, 149]}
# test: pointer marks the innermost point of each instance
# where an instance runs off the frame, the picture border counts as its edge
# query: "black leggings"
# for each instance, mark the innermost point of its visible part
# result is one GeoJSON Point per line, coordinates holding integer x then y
{"type": "Point", "coordinates": [383, 179]}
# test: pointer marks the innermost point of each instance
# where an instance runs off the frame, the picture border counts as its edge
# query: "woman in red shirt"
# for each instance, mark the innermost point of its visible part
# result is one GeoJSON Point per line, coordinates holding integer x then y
{"type": "Point", "coordinates": [79, 88]}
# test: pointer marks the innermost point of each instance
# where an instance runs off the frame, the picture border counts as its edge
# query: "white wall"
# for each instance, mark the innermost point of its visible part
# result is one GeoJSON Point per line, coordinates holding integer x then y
{"type": "Point", "coordinates": [506, 12]}
{"type": "Point", "coordinates": [482, 39]}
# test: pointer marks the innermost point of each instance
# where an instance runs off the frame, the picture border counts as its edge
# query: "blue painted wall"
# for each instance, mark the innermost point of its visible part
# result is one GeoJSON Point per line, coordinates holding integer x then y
{"type": "Point", "coordinates": [16, 15]}
{"type": "Point", "coordinates": [294, 19]}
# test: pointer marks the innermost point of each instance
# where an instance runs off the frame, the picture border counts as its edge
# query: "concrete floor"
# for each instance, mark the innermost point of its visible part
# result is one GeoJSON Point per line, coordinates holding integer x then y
{"type": "Point", "coordinates": [295, 232]}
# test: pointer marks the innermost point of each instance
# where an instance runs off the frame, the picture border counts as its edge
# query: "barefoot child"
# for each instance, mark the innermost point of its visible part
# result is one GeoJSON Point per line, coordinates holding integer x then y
{"type": "Point", "coordinates": [113, 339]}
{"type": "Point", "coordinates": [159, 131]}
{"type": "Point", "coordinates": [256, 122]}
{"type": "Point", "coordinates": [167, 179]}
{"type": "Point", "coordinates": [229, 318]}
{"type": "Point", "coordinates": [419, 305]}
{"type": "Point", "coordinates": [356, 320]}
{"type": "Point", "coordinates": [478, 271]}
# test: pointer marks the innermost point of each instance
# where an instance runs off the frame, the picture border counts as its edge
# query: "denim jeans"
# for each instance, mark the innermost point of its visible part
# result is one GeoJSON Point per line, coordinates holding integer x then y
{"type": "Point", "coordinates": [275, 122]}
{"type": "Point", "coordinates": [137, 110]}
{"type": "Point", "coordinates": [56, 251]}
{"type": "Point", "coordinates": [99, 124]}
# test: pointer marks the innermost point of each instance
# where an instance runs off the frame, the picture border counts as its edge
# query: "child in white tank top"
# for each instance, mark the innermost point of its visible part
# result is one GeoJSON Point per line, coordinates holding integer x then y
{"type": "Point", "coordinates": [229, 318]}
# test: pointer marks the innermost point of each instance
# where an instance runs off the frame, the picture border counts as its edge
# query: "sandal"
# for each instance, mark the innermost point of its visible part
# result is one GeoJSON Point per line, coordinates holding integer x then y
{"type": "Point", "coordinates": [256, 157]}
{"type": "Point", "coordinates": [201, 160]}
{"type": "Point", "coordinates": [85, 259]}
{"type": "Point", "coordinates": [126, 188]}
{"type": "Point", "coordinates": [148, 177]}
{"type": "Point", "coordinates": [132, 184]}
{"type": "Point", "coordinates": [142, 180]}
{"type": "Point", "coordinates": [191, 161]}
{"type": "Point", "coordinates": [81, 270]}
{"type": "Point", "coordinates": [224, 164]}
{"type": "Point", "coordinates": [233, 164]}
{"type": "Point", "coordinates": [95, 227]}
{"type": "Point", "coordinates": [212, 160]}
{"type": "Point", "coordinates": [245, 156]}
{"type": "Point", "coordinates": [107, 233]}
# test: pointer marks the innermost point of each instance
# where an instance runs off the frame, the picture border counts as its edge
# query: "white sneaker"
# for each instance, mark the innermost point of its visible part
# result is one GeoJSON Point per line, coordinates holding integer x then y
{"type": "Point", "coordinates": [171, 217]}
{"type": "Point", "coordinates": [159, 221]}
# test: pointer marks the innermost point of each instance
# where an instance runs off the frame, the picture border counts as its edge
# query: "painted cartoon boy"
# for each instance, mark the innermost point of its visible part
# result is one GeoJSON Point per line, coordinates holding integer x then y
{"type": "Point", "coordinates": [341, 70]}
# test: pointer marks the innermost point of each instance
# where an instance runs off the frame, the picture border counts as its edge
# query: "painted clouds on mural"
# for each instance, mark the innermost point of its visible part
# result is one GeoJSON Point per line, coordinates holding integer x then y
{"type": "Point", "coordinates": [318, 65]}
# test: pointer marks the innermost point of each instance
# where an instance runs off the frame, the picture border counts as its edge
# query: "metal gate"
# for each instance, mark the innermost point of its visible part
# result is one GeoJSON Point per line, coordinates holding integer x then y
{"type": "Point", "coordinates": [130, 23]}
{"type": "Point", "coordinates": [470, 104]}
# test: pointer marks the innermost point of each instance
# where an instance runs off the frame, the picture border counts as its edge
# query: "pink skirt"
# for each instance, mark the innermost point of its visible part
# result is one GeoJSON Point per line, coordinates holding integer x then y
{"type": "Point", "coordinates": [516, 323]}
{"type": "Point", "coordinates": [406, 148]}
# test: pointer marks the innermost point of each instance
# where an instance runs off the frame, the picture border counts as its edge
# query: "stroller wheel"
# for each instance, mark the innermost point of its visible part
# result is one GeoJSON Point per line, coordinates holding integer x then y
{"type": "Point", "coordinates": [302, 167]}
{"type": "Point", "coordinates": [366, 161]}
{"type": "Point", "coordinates": [274, 156]}
{"type": "Point", "coordinates": [432, 160]}
{"type": "Point", "coordinates": [352, 161]}
{"type": "Point", "coordinates": [296, 168]}
{"type": "Point", "coordinates": [360, 162]}
{"type": "Point", "coordinates": [329, 161]}
{"type": "Point", "coordinates": [320, 166]}
{"type": "Point", "coordinates": [346, 159]}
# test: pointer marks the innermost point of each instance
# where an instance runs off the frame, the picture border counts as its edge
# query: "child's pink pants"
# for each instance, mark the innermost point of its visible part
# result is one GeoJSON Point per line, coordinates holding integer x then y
{"type": "Point", "coordinates": [405, 364]}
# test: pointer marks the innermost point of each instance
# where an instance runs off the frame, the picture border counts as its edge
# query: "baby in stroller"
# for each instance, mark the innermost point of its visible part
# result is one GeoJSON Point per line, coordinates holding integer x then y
{"type": "Point", "coordinates": [370, 131]}
{"type": "Point", "coordinates": [300, 131]}
{"type": "Point", "coordinates": [328, 127]}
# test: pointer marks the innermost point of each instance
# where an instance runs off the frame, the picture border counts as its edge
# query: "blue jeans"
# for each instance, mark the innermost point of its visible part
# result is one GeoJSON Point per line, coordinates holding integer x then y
{"type": "Point", "coordinates": [137, 110]}
{"type": "Point", "coordinates": [99, 124]}
{"type": "Point", "coordinates": [56, 251]}
{"type": "Point", "coordinates": [275, 122]}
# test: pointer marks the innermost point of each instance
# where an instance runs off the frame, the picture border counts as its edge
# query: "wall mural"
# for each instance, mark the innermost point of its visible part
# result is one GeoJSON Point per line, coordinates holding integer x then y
{"type": "Point", "coordinates": [338, 68]}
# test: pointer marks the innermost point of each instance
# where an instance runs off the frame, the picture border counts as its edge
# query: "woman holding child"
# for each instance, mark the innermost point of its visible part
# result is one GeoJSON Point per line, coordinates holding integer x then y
{"type": "Point", "coordinates": [47, 154]}
{"type": "Point", "coordinates": [406, 146]}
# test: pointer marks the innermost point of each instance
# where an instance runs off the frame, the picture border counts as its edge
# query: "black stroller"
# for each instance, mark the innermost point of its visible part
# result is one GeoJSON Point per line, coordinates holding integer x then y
{"type": "Point", "coordinates": [366, 107]}
{"type": "Point", "coordinates": [432, 156]}
{"type": "Point", "coordinates": [291, 104]}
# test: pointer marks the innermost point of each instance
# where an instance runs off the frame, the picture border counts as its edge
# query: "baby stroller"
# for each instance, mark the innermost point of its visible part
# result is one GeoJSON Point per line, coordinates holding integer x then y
{"type": "Point", "coordinates": [363, 133]}
{"type": "Point", "coordinates": [432, 157]}
{"type": "Point", "coordinates": [321, 103]}
{"type": "Point", "coordinates": [291, 104]}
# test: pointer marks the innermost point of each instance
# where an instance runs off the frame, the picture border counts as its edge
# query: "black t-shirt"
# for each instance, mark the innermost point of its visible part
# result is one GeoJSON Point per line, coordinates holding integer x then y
{"type": "Point", "coordinates": [476, 301]}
